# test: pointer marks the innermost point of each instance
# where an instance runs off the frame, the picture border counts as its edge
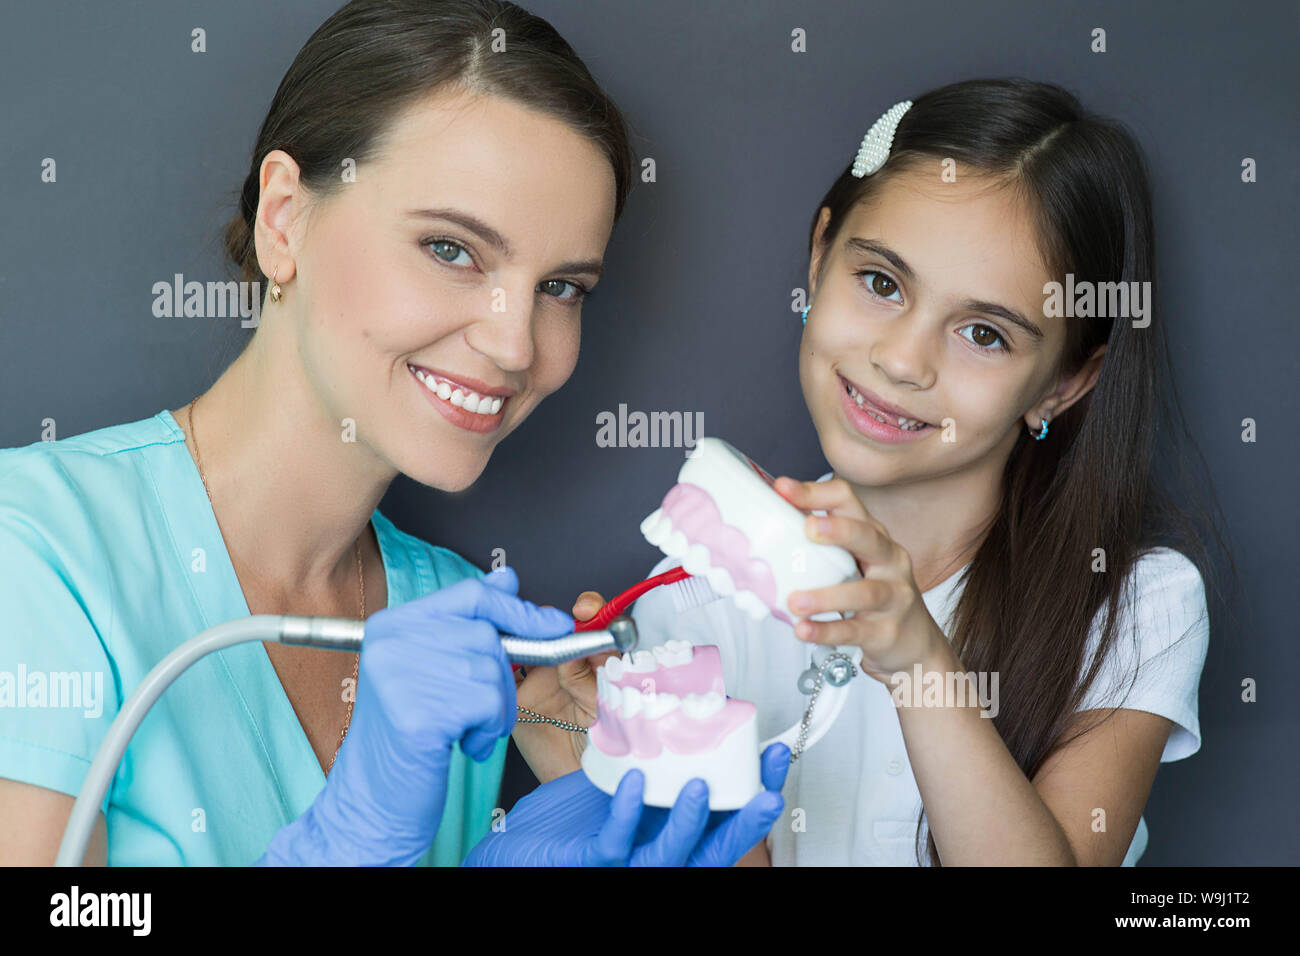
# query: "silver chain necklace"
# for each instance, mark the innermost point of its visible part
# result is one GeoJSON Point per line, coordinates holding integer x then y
{"type": "Point", "coordinates": [841, 670]}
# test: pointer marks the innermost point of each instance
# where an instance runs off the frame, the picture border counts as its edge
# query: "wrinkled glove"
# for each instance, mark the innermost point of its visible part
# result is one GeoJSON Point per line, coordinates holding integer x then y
{"type": "Point", "coordinates": [432, 673]}
{"type": "Point", "coordinates": [570, 822]}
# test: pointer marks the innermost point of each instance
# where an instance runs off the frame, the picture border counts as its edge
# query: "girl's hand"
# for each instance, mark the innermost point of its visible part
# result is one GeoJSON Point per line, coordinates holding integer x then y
{"type": "Point", "coordinates": [890, 621]}
{"type": "Point", "coordinates": [565, 692]}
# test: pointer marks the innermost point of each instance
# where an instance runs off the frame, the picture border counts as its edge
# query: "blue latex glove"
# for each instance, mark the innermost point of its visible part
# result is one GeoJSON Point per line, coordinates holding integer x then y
{"type": "Point", "coordinates": [570, 822]}
{"type": "Point", "coordinates": [432, 673]}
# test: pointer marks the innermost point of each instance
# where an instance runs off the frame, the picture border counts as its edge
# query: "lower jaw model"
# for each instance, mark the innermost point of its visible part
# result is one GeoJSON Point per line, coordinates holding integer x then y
{"type": "Point", "coordinates": [665, 712]}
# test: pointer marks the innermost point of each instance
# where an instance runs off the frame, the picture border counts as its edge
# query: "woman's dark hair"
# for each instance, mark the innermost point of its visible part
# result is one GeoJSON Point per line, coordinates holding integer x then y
{"type": "Point", "coordinates": [1030, 594]}
{"type": "Point", "coordinates": [373, 58]}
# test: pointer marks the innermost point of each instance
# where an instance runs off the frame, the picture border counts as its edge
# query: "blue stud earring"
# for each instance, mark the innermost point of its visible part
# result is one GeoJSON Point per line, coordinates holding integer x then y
{"type": "Point", "coordinates": [805, 315]}
{"type": "Point", "coordinates": [1043, 433]}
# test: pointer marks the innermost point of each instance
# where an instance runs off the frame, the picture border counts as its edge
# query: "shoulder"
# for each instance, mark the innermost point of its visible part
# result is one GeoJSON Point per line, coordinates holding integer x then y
{"type": "Point", "coordinates": [100, 444]}
{"type": "Point", "coordinates": [1162, 608]}
{"type": "Point", "coordinates": [55, 489]}
{"type": "Point", "coordinates": [1165, 600]}
{"type": "Point", "coordinates": [1161, 641]}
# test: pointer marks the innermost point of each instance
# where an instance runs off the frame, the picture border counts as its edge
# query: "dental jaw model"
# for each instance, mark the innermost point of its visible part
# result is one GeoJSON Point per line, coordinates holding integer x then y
{"type": "Point", "coordinates": [666, 712]}
{"type": "Point", "coordinates": [728, 526]}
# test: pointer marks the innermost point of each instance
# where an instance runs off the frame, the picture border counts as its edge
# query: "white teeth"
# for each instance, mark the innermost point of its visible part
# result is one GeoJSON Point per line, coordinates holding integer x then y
{"type": "Point", "coordinates": [613, 696]}
{"type": "Point", "coordinates": [701, 706]}
{"type": "Point", "coordinates": [905, 424]}
{"type": "Point", "coordinates": [639, 662]}
{"type": "Point", "coordinates": [463, 398]}
{"type": "Point", "coordinates": [614, 668]}
{"type": "Point", "coordinates": [656, 527]}
{"type": "Point", "coordinates": [632, 701]}
{"type": "Point", "coordinates": [656, 705]}
{"type": "Point", "coordinates": [674, 653]}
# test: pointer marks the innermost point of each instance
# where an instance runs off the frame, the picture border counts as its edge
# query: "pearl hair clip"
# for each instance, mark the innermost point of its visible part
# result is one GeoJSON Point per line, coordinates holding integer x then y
{"type": "Point", "coordinates": [875, 145]}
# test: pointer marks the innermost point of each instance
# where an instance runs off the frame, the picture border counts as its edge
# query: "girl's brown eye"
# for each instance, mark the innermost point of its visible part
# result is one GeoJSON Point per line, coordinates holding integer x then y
{"type": "Point", "coordinates": [883, 286]}
{"type": "Point", "coordinates": [980, 328]}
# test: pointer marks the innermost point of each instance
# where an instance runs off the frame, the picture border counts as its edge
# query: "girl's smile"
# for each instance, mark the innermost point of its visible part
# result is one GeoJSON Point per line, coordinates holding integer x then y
{"type": "Point", "coordinates": [875, 419]}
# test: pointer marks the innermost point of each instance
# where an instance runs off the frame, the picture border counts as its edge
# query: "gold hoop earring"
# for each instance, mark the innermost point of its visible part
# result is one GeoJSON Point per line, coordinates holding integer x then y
{"type": "Point", "coordinates": [276, 294]}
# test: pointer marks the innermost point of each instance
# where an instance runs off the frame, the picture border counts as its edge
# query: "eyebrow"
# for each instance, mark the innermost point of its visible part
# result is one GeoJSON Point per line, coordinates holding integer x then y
{"type": "Point", "coordinates": [593, 267]}
{"type": "Point", "coordinates": [871, 246]}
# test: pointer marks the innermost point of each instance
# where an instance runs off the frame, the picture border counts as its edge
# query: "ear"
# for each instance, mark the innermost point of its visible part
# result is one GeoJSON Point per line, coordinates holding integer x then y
{"type": "Point", "coordinates": [814, 265]}
{"type": "Point", "coordinates": [1068, 390]}
{"type": "Point", "coordinates": [278, 208]}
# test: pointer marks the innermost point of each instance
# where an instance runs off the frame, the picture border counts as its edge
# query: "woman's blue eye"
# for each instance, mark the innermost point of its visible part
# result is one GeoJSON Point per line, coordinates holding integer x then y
{"type": "Point", "coordinates": [882, 285]}
{"type": "Point", "coordinates": [552, 286]}
{"type": "Point", "coordinates": [449, 251]}
{"type": "Point", "coordinates": [992, 331]}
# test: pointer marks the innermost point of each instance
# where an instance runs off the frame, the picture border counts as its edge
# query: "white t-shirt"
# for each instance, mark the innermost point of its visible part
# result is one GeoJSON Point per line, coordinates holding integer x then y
{"type": "Point", "coordinates": [855, 786]}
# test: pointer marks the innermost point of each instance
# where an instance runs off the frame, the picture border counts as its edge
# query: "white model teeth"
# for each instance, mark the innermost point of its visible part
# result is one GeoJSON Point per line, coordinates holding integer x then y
{"type": "Point", "coordinates": [460, 397]}
{"type": "Point", "coordinates": [657, 705]}
{"type": "Point", "coordinates": [639, 662]}
{"type": "Point", "coordinates": [633, 700]}
{"type": "Point", "coordinates": [702, 706]}
{"type": "Point", "coordinates": [628, 702]}
{"type": "Point", "coordinates": [906, 424]}
{"type": "Point", "coordinates": [613, 668]}
{"type": "Point", "coordinates": [658, 530]}
{"type": "Point", "coordinates": [674, 653]}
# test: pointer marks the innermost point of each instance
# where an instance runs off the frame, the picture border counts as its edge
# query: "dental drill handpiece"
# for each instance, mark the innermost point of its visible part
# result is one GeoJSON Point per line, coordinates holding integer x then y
{"type": "Point", "coordinates": [330, 633]}
{"type": "Point", "coordinates": [346, 635]}
{"type": "Point", "coordinates": [619, 635]}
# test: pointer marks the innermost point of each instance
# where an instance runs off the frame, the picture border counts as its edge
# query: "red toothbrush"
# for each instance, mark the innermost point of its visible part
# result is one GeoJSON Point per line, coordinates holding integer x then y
{"type": "Point", "coordinates": [613, 608]}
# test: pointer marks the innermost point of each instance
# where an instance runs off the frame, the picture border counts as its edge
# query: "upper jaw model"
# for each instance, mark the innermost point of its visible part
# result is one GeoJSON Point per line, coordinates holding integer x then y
{"type": "Point", "coordinates": [728, 525]}
{"type": "Point", "coordinates": [666, 713]}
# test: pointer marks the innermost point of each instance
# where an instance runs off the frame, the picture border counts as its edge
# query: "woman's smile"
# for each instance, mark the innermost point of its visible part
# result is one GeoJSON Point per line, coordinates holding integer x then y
{"type": "Point", "coordinates": [473, 409]}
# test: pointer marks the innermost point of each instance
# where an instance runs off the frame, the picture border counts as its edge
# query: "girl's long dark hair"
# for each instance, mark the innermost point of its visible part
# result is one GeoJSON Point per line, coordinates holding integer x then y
{"type": "Point", "coordinates": [1031, 593]}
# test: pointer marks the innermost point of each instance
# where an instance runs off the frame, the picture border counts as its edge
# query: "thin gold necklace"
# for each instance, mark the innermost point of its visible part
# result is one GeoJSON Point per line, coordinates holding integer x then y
{"type": "Point", "coordinates": [361, 577]}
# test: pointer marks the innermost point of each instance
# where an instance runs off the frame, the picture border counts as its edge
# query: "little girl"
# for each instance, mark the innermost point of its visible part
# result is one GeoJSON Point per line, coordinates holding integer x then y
{"type": "Point", "coordinates": [991, 462]}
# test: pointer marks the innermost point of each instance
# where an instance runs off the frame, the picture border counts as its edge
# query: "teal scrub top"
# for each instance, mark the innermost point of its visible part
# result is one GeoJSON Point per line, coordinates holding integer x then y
{"type": "Point", "coordinates": [111, 557]}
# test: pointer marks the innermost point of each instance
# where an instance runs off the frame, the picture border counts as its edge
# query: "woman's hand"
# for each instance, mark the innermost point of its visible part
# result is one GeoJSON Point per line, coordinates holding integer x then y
{"type": "Point", "coordinates": [570, 822]}
{"type": "Point", "coordinates": [433, 674]}
{"type": "Point", "coordinates": [890, 621]}
{"type": "Point", "coordinates": [566, 692]}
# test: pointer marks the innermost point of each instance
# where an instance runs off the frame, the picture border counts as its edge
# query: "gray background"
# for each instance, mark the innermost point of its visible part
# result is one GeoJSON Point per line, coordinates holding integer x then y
{"type": "Point", "coordinates": [694, 313]}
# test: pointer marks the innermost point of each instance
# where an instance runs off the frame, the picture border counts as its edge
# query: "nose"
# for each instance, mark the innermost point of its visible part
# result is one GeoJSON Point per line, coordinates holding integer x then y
{"type": "Point", "coordinates": [903, 351]}
{"type": "Point", "coordinates": [504, 334]}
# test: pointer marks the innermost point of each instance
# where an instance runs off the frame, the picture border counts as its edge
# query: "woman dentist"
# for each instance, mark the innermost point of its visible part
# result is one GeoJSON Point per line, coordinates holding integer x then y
{"type": "Point", "coordinates": [432, 213]}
